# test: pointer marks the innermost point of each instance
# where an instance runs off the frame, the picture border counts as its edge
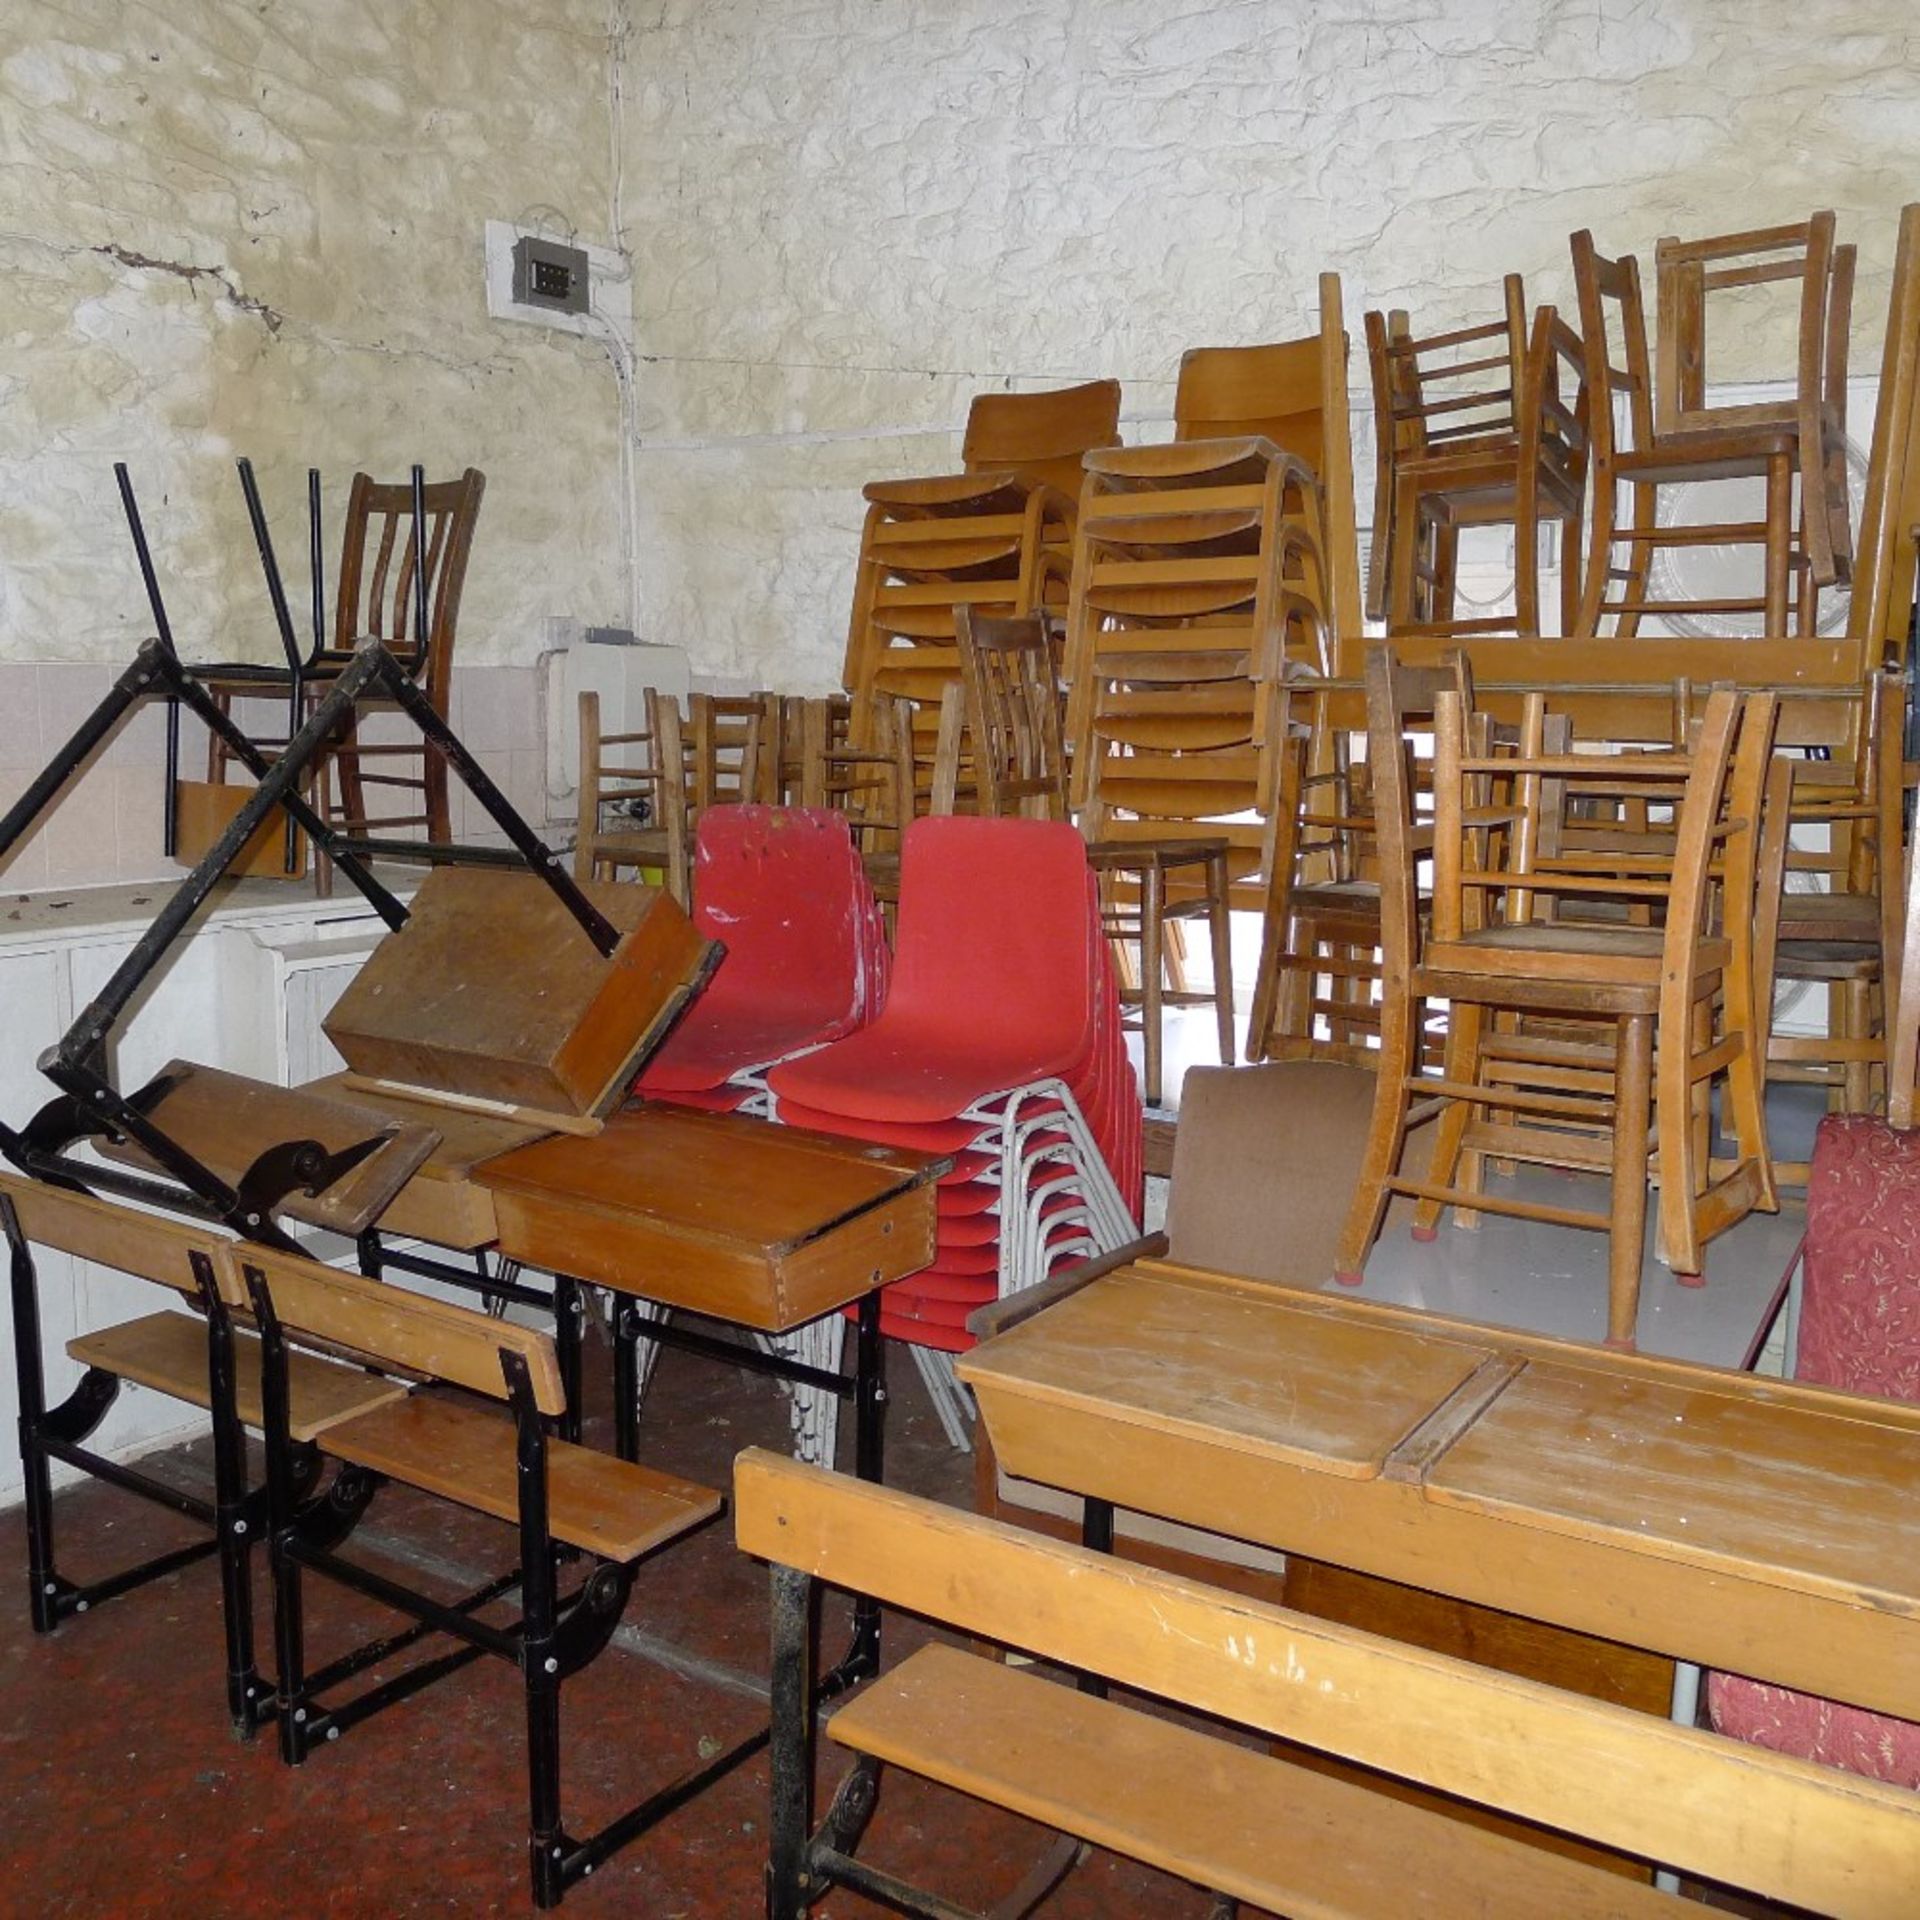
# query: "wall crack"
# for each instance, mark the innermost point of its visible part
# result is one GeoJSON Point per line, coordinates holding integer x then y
{"type": "Point", "coordinates": [185, 270]}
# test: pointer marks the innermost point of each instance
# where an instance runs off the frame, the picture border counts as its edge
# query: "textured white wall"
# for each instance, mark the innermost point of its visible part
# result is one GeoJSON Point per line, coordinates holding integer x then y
{"type": "Point", "coordinates": [848, 215]}
{"type": "Point", "coordinates": [234, 228]}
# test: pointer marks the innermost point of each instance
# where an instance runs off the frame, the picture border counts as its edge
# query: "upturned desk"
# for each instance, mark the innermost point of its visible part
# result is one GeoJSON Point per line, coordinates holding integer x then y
{"type": "Point", "coordinates": [1742, 1523]}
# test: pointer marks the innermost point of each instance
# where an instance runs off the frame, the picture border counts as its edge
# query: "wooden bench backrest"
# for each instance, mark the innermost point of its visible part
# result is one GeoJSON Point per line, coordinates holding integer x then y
{"type": "Point", "coordinates": [402, 1330]}
{"type": "Point", "coordinates": [1807, 1834]}
{"type": "Point", "coordinates": [147, 1245]}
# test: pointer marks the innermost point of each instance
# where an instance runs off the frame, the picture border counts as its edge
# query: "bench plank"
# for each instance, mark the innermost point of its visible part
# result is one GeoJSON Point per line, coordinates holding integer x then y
{"type": "Point", "coordinates": [1227, 1817]}
{"type": "Point", "coordinates": [466, 1453]}
{"type": "Point", "coordinates": [168, 1352]}
{"type": "Point", "coordinates": [1794, 1831]}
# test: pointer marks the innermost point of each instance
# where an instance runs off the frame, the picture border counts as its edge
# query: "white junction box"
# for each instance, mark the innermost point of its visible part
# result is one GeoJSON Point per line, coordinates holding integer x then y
{"type": "Point", "coordinates": [610, 280]}
{"type": "Point", "coordinates": [620, 670]}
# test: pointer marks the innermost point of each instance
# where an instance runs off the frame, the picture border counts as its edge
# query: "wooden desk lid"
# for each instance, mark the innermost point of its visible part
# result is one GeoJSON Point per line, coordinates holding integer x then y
{"type": "Point", "coordinates": [492, 991]}
{"type": "Point", "coordinates": [227, 1121]}
{"type": "Point", "coordinates": [713, 1176]}
{"type": "Point", "coordinates": [1242, 1368]}
{"type": "Point", "coordinates": [1825, 1502]}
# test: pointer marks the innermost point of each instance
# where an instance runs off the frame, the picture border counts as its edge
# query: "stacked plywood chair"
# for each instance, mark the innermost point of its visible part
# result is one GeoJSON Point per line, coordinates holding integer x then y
{"type": "Point", "coordinates": [1209, 576]}
{"type": "Point", "coordinates": [997, 536]}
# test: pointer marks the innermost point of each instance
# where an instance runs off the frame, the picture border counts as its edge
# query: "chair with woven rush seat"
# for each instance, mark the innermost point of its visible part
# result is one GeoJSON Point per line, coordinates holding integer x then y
{"type": "Point", "coordinates": [1684, 991]}
{"type": "Point", "coordinates": [654, 830]}
{"type": "Point", "coordinates": [557, 1495]}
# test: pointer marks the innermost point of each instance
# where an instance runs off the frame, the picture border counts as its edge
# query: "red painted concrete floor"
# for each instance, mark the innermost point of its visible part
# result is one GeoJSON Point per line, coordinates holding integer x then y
{"type": "Point", "coordinates": [123, 1793]}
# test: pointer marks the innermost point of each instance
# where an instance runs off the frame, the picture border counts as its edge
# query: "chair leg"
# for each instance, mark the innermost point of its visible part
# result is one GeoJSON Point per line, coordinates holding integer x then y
{"type": "Point", "coordinates": [1857, 1071]}
{"type": "Point", "coordinates": [1681, 1169]}
{"type": "Point", "coordinates": [1526, 560]}
{"type": "Point", "coordinates": [1570, 567]}
{"type": "Point", "coordinates": [1593, 593]}
{"type": "Point", "coordinates": [1779, 543]}
{"type": "Point", "coordinates": [1463, 1065]}
{"type": "Point", "coordinates": [1152, 902]}
{"type": "Point", "coordinates": [1220, 923]}
{"type": "Point", "coordinates": [1386, 1135]}
{"type": "Point", "coordinates": [1173, 956]}
{"type": "Point", "coordinates": [1632, 1092]}
{"type": "Point", "coordinates": [1643, 520]}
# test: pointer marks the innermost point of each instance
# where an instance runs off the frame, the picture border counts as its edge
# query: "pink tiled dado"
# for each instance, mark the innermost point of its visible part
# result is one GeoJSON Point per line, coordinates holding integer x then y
{"type": "Point", "coordinates": [107, 825]}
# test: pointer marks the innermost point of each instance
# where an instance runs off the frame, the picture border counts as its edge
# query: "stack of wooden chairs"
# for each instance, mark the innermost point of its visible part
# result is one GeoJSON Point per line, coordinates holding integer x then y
{"type": "Point", "coordinates": [997, 536]}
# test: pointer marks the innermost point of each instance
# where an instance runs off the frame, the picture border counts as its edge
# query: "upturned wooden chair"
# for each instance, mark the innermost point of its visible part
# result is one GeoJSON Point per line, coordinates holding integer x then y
{"type": "Point", "coordinates": [1700, 444]}
{"type": "Point", "coordinates": [1475, 426]}
{"type": "Point", "coordinates": [634, 815]}
{"type": "Point", "coordinates": [1684, 992]}
{"type": "Point", "coordinates": [375, 595]}
{"type": "Point", "coordinates": [1011, 670]}
{"type": "Point", "coordinates": [1804, 254]}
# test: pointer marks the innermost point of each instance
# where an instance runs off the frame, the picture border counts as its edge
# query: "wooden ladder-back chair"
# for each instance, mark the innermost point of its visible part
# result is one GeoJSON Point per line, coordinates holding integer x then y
{"type": "Point", "coordinates": [1684, 992]}
{"type": "Point", "coordinates": [650, 828]}
{"type": "Point", "coordinates": [375, 595]}
{"type": "Point", "coordinates": [874, 785]}
{"type": "Point", "coordinates": [1689, 272]}
{"type": "Point", "coordinates": [1844, 935]}
{"type": "Point", "coordinates": [1618, 588]}
{"type": "Point", "coordinates": [1012, 676]}
{"type": "Point", "coordinates": [1475, 426]}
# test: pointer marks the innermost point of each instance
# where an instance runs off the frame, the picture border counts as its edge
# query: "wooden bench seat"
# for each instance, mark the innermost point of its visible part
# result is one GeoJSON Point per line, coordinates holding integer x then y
{"type": "Point", "coordinates": [168, 1352]}
{"type": "Point", "coordinates": [465, 1453]}
{"type": "Point", "coordinates": [1229, 1818]}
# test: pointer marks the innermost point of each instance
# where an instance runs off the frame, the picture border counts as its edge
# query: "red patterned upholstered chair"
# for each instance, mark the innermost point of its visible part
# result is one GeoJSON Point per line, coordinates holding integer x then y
{"type": "Point", "coordinates": [1859, 1330]}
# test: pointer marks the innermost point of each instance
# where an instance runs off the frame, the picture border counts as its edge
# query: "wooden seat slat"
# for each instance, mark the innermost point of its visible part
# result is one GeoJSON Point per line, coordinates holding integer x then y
{"type": "Point", "coordinates": [466, 1454]}
{"type": "Point", "coordinates": [168, 1353]}
{"type": "Point", "coordinates": [1231, 1818]}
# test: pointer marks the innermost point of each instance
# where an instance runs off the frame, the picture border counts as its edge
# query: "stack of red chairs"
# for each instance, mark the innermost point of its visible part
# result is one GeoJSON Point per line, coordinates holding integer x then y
{"type": "Point", "coordinates": [783, 890]}
{"type": "Point", "coordinates": [999, 1044]}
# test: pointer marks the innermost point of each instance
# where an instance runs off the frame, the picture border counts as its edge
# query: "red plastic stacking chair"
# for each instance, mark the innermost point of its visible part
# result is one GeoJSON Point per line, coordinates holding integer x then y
{"type": "Point", "coordinates": [783, 890]}
{"type": "Point", "coordinates": [1000, 1043]}
{"type": "Point", "coordinates": [993, 978]}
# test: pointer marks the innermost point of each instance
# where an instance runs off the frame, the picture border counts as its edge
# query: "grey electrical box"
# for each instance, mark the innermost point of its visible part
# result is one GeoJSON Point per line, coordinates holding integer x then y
{"type": "Point", "coordinates": [551, 274]}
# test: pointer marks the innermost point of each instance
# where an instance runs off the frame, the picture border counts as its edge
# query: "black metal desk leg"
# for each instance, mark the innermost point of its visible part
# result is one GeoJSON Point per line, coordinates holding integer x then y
{"type": "Point", "coordinates": [869, 1462]}
{"type": "Point", "coordinates": [790, 1749]}
{"type": "Point", "coordinates": [626, 1381]}
{"type": "Point", "coordinates": [1096, 1535]}
{"type": "Point", "coordinates": [569, 1311]}
{"type": "Point", "coordinates": [42, 1582]}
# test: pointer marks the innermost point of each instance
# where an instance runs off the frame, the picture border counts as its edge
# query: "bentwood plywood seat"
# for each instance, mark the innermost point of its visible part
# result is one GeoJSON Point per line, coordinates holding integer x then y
{"type": "Point", "coordinates": [375, 595]}
{"type": "Point", "coordinates": [1015, 703]}
{"type": "Point", "coordinates": [1474, 426]}
{"type": "Point", "coordinates": [1682, 994]}
{"type": "Point", "coordinates": [997, 536]}
{"type": "Point", "coordinates": [1673, 438]}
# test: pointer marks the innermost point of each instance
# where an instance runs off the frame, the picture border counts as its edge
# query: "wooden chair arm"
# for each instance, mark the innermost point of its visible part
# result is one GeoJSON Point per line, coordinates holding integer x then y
{"type": "Point", "coordinates": [998, 1315]}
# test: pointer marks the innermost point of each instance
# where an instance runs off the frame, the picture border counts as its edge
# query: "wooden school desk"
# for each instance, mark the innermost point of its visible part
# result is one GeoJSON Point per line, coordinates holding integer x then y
{"type": "Point", "coordinates": [1736, 1522]}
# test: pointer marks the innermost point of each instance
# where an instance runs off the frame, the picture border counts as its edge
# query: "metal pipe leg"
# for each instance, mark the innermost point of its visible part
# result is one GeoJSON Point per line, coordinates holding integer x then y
{"type": "Point", "coordinates": [790, 1747]}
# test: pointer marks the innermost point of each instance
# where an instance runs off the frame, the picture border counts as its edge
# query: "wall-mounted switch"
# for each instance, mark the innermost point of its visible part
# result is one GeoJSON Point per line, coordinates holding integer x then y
{"type": "Point", "coordinates": [548, 273]}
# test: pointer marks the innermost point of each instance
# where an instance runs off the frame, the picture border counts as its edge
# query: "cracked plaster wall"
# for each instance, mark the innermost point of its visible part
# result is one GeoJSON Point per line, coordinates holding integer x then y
{"type": "Point", "coordinates": [233, 228]}
{"type": "Point", "coordinates": [846, 216]}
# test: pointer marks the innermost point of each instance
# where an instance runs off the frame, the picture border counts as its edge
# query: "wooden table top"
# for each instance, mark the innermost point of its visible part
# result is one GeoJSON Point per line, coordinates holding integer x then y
{"type": "Point", "coordinates": [1752, 1524]}
{"type": "Point", "coordinates": [719, 1213]}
